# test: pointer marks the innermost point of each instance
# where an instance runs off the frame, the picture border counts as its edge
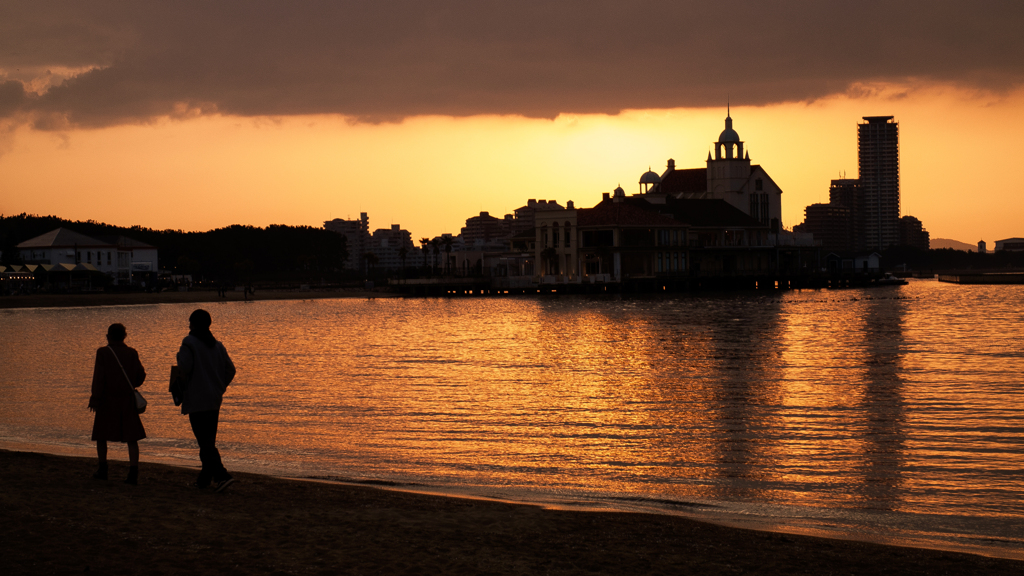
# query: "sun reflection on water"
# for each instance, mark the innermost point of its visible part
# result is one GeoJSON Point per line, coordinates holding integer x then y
{"type": "Point", "coordinates": [903, 400]}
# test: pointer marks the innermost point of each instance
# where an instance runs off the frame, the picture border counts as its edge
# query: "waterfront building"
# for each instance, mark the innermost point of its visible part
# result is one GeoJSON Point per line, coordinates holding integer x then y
{"type": "Point", "coordinates": [830, 224]}
{"type": "Point", "coordinates": [524, 217]}
{"type": "Point", "coordinates": [913, 234]}
{"type": "Point", "coordinates": [357, 239]}
{"type": "Point", "coordinates": [485, 232]}
{"type": "Point", "coordinates": [630, 238]}
{"type": "Point", "coordinates": [1010, 245]}
{"type": "Point", "coordinates": [124, 259]}
{"type": "Point", "coordinates": [393, 248]}
{"type": "Point", "coordinates": [878, 160]}
{"type": "Point", "coordinates": [556, 241]}
{"type": "Point", "coordinates": [728, 175]}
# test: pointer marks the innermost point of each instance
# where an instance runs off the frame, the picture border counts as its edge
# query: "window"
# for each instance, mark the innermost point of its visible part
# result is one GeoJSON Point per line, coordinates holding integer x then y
{"type": "Point", "coordinates": [758, 185]}
{"type": "Point", "coordinates": [568, 235]}
{"type": "Point", "coordinates": [598, 238]}
{"type": "Point", "coordinates": [88, 257]}
{"type": "Point", "coordinates": [108, 258]}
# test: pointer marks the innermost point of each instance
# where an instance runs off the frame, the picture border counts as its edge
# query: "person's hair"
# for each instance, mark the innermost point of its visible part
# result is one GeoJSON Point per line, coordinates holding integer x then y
{"type": "Point", "coordinates": [116, 333]}
{"type": "Point", "coordinates": [200, 319]}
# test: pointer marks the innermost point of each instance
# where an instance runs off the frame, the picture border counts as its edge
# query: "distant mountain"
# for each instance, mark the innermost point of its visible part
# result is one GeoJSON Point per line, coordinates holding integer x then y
{"type": "Point", "coordinates": [937, 243]}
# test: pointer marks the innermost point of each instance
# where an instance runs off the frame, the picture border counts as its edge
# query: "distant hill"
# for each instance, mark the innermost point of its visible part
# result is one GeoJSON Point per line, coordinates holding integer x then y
{"type": "Point", "coordinates": [937, 243]}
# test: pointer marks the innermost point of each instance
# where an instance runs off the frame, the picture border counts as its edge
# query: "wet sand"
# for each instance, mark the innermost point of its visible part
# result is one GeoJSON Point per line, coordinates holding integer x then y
{"type": "Point", "coordinates": [59, 520]}
{"type": "Point", "coordinates": [198, 296]}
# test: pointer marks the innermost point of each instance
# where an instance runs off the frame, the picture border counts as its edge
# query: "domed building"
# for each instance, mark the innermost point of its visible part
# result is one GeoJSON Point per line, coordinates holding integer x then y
{"type": "Point", "coordinates": [728, 176]}
{"type": "Point", "coordinates": [648, 180]}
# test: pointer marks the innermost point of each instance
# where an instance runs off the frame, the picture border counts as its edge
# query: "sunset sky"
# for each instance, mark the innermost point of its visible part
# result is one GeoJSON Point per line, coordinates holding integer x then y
{"type": "Point", "coordinates": [197, 115]}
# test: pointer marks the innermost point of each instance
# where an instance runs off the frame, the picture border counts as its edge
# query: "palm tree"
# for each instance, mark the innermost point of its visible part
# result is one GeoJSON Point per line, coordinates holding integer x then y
{"type": "Point", "coordinates": [371, 260]}
{"type": "Point", "coordinates": [435, 245]}
{"type": "Point", "coordinates": [424, 242]}
{"type": "Point", "coordinates": [447, 241]}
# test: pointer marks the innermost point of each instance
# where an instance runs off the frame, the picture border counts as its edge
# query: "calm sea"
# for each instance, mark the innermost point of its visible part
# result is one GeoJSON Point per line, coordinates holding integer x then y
{"type": "Point", "coordinates": [888, 414]}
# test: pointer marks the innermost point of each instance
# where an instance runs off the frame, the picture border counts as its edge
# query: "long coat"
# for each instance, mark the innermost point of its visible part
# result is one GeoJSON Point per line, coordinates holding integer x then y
{"type": "Point", "coordinates": [117, 419]}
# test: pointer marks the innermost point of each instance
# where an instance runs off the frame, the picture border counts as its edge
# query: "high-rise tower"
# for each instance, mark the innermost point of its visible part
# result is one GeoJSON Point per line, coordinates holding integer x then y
{"type": "Point", "coordinates": [878, 157]}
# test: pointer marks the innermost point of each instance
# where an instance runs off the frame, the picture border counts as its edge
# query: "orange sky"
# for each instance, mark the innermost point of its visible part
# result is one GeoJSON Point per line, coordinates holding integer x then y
{"type": "Point", "coordinates": [959, 154]}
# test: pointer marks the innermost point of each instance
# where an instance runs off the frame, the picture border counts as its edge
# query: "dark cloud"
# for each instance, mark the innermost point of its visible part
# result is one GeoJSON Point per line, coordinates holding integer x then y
{"type": "Point", "coordinates": [385, 60]}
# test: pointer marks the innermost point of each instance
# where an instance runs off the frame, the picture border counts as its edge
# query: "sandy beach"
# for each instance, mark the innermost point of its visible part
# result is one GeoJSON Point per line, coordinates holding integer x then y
{"type": "Point", "coordinates": [59, 520]}
{"type": "Point", "coordinates": [197, 296]}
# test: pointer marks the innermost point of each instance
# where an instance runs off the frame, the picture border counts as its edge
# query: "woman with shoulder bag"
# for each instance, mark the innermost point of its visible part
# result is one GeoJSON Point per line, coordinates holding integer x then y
{"type": "Point", "coordinates": [116, 375]}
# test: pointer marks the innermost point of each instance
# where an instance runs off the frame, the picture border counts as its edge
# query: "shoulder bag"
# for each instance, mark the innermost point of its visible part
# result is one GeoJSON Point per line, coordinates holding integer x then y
{"type": "Point", "coordinates": [179, 381]}
{"type": "Point", "coordinates": [140, 402]}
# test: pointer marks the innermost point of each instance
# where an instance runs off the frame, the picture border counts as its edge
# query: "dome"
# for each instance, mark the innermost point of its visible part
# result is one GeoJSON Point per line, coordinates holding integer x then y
{"type": "Point", "coordinates": [619, 191]}
{"type": "Point", "coordinates": [650, 177]}
{"type": "Point", "coordinates": [728, 135]}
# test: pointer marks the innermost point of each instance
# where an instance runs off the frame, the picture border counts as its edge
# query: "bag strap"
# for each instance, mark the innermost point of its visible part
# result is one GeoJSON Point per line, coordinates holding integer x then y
{"type": "Point", "coordinates": [129, 380]}
{"type": "Point", "coordinates": [191, 351]}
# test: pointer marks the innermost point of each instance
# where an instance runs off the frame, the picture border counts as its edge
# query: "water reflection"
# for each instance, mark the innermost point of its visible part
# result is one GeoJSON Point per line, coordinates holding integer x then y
{"type": "Point", "coordinates": [891, 400]}
{"type": "Point", "coordinates": [882, 403]}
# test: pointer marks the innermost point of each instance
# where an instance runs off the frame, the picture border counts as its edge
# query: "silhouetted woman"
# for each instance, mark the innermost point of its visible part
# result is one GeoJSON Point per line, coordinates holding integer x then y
{"type": "Point", "coordinates": [116, 375]}
{"type": "Point", "coordinates": [209, 369]}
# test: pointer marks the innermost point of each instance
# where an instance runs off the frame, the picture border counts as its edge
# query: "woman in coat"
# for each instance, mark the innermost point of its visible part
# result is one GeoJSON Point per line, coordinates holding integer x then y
{"type": "Point", "coordinates": [209, 369]}
{"type": "Point", "coordinates": [117, 373]}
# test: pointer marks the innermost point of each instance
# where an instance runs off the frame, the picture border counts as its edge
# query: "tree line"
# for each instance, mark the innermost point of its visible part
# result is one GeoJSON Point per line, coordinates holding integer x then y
{"type": "Point", "coordinates": [233, 254]}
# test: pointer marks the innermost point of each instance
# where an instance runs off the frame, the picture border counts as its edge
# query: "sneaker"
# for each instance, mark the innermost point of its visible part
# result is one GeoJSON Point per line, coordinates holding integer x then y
{"type": "Point", "coordinates": [223, 484]}
{"type": "Point", "coordinates": [101, 473]}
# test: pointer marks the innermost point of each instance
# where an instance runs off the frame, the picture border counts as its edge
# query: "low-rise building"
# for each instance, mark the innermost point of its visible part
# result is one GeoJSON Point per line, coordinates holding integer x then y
{"type": "Point", "coordinates": [124, 259]}
{"type": "Point", "coordinates": [1010, 245]}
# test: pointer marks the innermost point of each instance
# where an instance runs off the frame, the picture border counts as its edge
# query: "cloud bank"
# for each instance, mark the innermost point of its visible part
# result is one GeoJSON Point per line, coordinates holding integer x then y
{"type": "Point", "coordinates": [94, 64]}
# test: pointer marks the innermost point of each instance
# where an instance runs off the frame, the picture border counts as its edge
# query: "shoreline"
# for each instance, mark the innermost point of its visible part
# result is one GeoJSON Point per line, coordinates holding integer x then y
{"type": "Point", "coordinates": [60, 520]}
{"type": "Point", "coordinates": [194, 297]}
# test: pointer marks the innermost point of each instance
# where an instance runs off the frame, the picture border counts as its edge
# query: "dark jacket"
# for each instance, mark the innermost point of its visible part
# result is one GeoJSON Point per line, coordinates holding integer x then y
{"type": "Point", "coordinates": [209, 371]}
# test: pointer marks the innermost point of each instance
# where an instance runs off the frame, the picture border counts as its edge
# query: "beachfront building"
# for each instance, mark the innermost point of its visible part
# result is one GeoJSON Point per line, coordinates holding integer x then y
{"type": "Point", "coordinates": [913, 234]}
{"type": "Point", "coordinates": [124, 259]}
{"type": "Point", "coordinates": [1010, 245]}
{"type": "Point", "coordinates": [357, 239]}
{"type": "Point", "coordinates": [485, 232]}
{"type": "Point", "coordinates": [878, 159]}
{"type": "Point", "coordinates": [632, 239]}
{"type": "Point", "coordinates": [729, 176]}
{"type": "Point", "coordinates": [393, 248]}
{"type": "Point", "coordinates": [556, 242]}
{"type": "Point", "coordinates": [524, 217]}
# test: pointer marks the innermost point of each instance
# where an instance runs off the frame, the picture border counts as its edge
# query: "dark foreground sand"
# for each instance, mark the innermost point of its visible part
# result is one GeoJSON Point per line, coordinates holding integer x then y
{"type": "Point", "coordinates": [56, 519]}
{"type": "Point", "coordinates": [114, 299]}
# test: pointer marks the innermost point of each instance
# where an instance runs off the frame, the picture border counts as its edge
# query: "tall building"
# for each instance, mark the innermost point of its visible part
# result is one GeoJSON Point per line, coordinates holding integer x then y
{"type": "Point", "coordinates": [912, 233]}
{"type": "Point", "coordinates": [878, 158]}
{"type": "Point", "coordinates": [831, 224]}
{"type": "Point", "coordinates": [387, 244]}
{"type": "Point", "coordinates": [357, 239]}
{"type": "Point", "coordinates": [486, 231]}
